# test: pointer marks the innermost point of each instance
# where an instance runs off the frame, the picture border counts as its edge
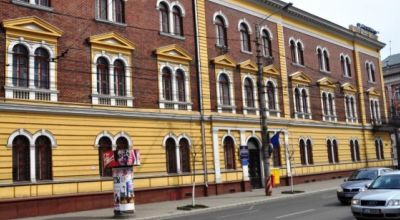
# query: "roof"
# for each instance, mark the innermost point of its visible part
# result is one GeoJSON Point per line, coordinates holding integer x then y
{"type": "Point", "coordinates": [322, 23]}
{"type": "Point", "coordinates": [391, 60]}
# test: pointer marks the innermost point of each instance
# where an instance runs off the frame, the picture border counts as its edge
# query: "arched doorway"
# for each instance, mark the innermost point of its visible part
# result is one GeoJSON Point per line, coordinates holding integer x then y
{"type": "Point", "coordinates": [254, 163]}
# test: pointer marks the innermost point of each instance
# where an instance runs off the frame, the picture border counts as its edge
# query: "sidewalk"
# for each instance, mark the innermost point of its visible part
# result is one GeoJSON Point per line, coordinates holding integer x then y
{"type": "Point", "coordinates": [165, 210]}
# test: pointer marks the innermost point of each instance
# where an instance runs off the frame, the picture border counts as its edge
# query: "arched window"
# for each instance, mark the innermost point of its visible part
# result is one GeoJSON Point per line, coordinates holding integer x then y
{"type": "Point", "coordinates": [249, 93]}
{"type": "Point", "coordinates": [372, 73]}
{"type": "Point", "coordinates": [353, 107]}
{"type": "Point", "coordinates": [357, 150]}
{"type": "Point", "coordinates": [185, 155]}
{"type": "Point", "coordinates": [21, 159]}
{"type": "Point", "coordinates": [300, 51]}
{"type": "Point", "coordinates": [335, 151]}
{"type": "Point", "coordinates": [348, 66]}
{"type": "Point", "coordinates": [304, 97]}
{"type": "Point", "coordinates": [326, 60]}
{"type": "Point", "coordinates": [320, 59]}
{"type": "Point", "coordinates": [266, 42]}
{"type": "Point", "coordinates": [293, 51]}
{"type": "Point", "coordinates": [170, 148]}
{"type": "Point", "coordinates": [330, 151]}
{"type": "Point", "coordinates": [297, 99]}
{"type": "Point", "coordinates": [271, 96]}
{"type": "Point", "coordinates": [20, 66]}
{"type": "Point", "coordinates": [229, 150]}
{"type": "Point", "coordinates": [167, 83]}
{"type": "Point", "coordinates": [381, 149]}
{"type": "Point", "coordinates": [343, 65]}
{"type": "Point", "coordinates": [224, 91]}
{"type": "Point", "coordinates": [103, 9]}
{"type": "Point", "coordinates": [103, 77]}
{"type": "Point", "coordinates": [178, 22]}
{"type": "Point", "coordinates": [325, 103]}
{"type": "Point", "coordinates": [119, 11]}
{"type": "Point", "coordinates": [309, 152]}
{"type": "Point", "coordinates": [245, 37]}
{"type": "Point", "coordinates": [303, 156]}
{"type": "Point", "coordinates": [119, 78]}
{"type": "Point", "coordinates": [43, 158]}
{"type": "Point", "coordinates": [180, 85]}
{"type": "Point", "coordinates": [164, 17]}
{"type": "Point", "coordinates": [330, 100]}
{"type": "Point", "coordinates": [222, 40]}
{"type": "Point", "coordinates": [122, 144]}
{"type": "Point", "coordinates": [42, 69]}
{"type": "Point", "coordinates": [105, 145]}
{"type": "Point", "coordinates": [354, 150]}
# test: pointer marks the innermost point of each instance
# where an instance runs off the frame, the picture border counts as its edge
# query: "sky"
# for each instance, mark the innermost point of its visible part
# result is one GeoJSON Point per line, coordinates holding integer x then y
{"type": "Point", "coordinates": [381, 15]}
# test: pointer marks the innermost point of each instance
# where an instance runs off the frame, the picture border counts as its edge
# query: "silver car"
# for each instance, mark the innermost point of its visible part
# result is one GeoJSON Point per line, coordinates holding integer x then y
{"type": "Point", "coordinates": [357, 182]}
{"type": "Point", "coordinates": [381, 200]}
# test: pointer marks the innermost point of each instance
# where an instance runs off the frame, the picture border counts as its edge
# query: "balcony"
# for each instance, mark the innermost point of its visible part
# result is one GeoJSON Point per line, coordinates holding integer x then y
{"type": "Point", "coordinates": [110, 100]}
{"type": "Point", "coordinates": [31, 94]}
{"type": "Point", "coordinates": [166, 104]}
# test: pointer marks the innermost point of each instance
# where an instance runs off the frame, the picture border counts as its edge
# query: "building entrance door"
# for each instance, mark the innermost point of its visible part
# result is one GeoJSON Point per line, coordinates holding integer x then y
{"type": "Point", "coordinates": [254, 164]}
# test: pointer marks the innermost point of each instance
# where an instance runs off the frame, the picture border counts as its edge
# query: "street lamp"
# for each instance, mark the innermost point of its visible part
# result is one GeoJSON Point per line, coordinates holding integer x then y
{"type": "Point", "coordinates": [262, 104]}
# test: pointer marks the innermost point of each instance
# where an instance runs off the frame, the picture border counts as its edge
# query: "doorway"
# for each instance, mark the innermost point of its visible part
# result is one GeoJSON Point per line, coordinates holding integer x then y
{"type": "Point", "coordinates": [254, 163]}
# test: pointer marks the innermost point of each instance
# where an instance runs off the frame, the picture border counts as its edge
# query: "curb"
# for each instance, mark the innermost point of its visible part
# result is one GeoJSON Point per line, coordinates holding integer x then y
{"type": "Point", "coordinates": [213, 209]}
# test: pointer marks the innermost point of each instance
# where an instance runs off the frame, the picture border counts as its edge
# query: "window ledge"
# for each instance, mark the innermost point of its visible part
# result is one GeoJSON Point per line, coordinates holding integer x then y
{"type": "Point", "coordinates": [298, 65]}
{"type": "Point", "coordinates": [30, 93]}
{"type": "Point", "coordinates": [221, 47]}
{"type": "Point", "coordinates": [324, 71]}
{"type": "Point", "coordinates": [245, 51]}
{"type": "Point", "coordinates": [371, 82]}
{"type": "Point", "coordinates": [348, 77]}
{"type": "Point", "coordinates": [29, 5]}
{"type": "Point", "coordinates": [175, 105]}
{"type": "Point", "coordinates": [111, 22]}
{"type": "Point", "coordinates": [112, 100]}
{"type": "Point", "coordinates": [179, 37]}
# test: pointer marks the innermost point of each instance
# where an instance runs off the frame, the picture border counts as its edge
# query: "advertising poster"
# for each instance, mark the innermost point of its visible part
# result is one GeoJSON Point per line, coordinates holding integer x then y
{"type": "Point", "coordinates": [124, 199]}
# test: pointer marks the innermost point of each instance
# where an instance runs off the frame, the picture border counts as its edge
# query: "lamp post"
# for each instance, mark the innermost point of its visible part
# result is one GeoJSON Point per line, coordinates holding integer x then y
{"type": "Point", "coordinates": [262, 104]}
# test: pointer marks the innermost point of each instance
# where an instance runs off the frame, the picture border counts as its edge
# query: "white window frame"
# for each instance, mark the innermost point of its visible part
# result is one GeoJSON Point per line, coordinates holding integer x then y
{"type": "Point", "coordinates": [371, 66]}
{"type": "Point", "coordinates": [346, 63]}
{"type": "Point", "coordinates": [265, 28]}
{"type": "Point", "coordinates": [277, 109]}
{"type": "Point", "coordinates": [380, 153]}
{"type": "Point", "coordinates": [355, 153]}
{"type": "Point", "coordinates": [245, 22]}
{"type": "Point", "coordinates": [331, 139]}
{"type": "Point", "coordinates": [350, 118]}
{"type": "Point", "coordinates": [32, 147]}
{"type": "Point", "coordinates": [31, 93]}
{"type": "Point", "coordinates": [32, 4]}
{"type": "Point", "coordinates": [332, 117]}
{"type": "Point", "coordinates": [176, 104]}
{"type": "Point", "coordinates": [296, 49]}
{"type": "Point", "coordinates": [376, 114]}
{"type": "Point", "coordinates": [324, 66]}
{"type": "Point", "coordinates": [110, 12]}
{"type": "Point", "coordinates": [112, 98]}
{"type": "Point", "coordinates": [177, 139]}
{"type": "Point", "coordinates": [171, 5]}
{"type": "Point", "coordinates": [226, 22]}
{"type": "Point", "coordinates": [300, 113]}
{"type": "Point", "coordinates": [246, 109]}
{"type": "Point", "coordinates": [229, 74]}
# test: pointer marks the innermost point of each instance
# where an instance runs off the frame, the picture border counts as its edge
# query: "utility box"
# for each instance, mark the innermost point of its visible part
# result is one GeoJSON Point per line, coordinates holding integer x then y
{"type": "Point", "coordinates": [276, 173]}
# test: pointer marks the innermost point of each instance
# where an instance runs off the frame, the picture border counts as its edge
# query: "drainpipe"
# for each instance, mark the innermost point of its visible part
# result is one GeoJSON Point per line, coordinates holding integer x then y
{"type": "Point", "coordinates": [201, 106]}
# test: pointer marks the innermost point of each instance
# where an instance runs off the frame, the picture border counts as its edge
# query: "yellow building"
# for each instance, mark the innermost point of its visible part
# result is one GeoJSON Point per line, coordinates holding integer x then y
{"type": "Point", "coordinates": [180, 87]}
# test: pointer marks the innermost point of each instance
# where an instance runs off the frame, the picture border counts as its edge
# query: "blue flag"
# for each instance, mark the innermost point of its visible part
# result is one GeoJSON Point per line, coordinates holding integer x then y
{"type": "Point", "coordinates": [275, 140]}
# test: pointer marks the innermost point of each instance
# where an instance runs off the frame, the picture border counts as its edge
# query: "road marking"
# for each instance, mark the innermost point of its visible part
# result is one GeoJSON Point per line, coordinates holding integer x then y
{"type": "Point", "coordinates": [242, 213]}
{"type": "Point", "coordinates": [295, 213]}
{"type": "Point", "coordinates": [251, 207]}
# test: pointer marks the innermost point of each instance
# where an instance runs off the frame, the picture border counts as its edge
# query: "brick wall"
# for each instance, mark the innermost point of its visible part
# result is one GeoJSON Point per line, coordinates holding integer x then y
{"type": "Point", "coordinates": [77, 20]}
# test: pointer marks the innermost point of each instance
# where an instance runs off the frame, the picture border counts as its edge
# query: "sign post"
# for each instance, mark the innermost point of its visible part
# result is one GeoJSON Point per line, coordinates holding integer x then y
{"type": "Point", "coordinates": [122, 162]}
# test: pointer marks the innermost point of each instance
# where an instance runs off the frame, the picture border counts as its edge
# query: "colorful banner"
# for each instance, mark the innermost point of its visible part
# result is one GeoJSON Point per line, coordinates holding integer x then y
{"type": "Point", "coordinates": [121, 158]}
{"type": "Point", "coordinates": [124, 198]}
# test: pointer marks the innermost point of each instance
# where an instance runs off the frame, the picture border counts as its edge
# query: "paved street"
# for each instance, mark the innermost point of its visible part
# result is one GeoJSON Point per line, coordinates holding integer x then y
{"type": "Point", "coordinates": [317, 206]}
{"type": "Point", "coordinates": [318, 202]}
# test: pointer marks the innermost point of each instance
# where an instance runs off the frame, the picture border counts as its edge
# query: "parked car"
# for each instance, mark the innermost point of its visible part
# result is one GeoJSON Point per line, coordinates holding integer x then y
{"type": "Point", "coordinates": [381, 200]}
{"type": "Point", "coordinates": [357, 182]}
